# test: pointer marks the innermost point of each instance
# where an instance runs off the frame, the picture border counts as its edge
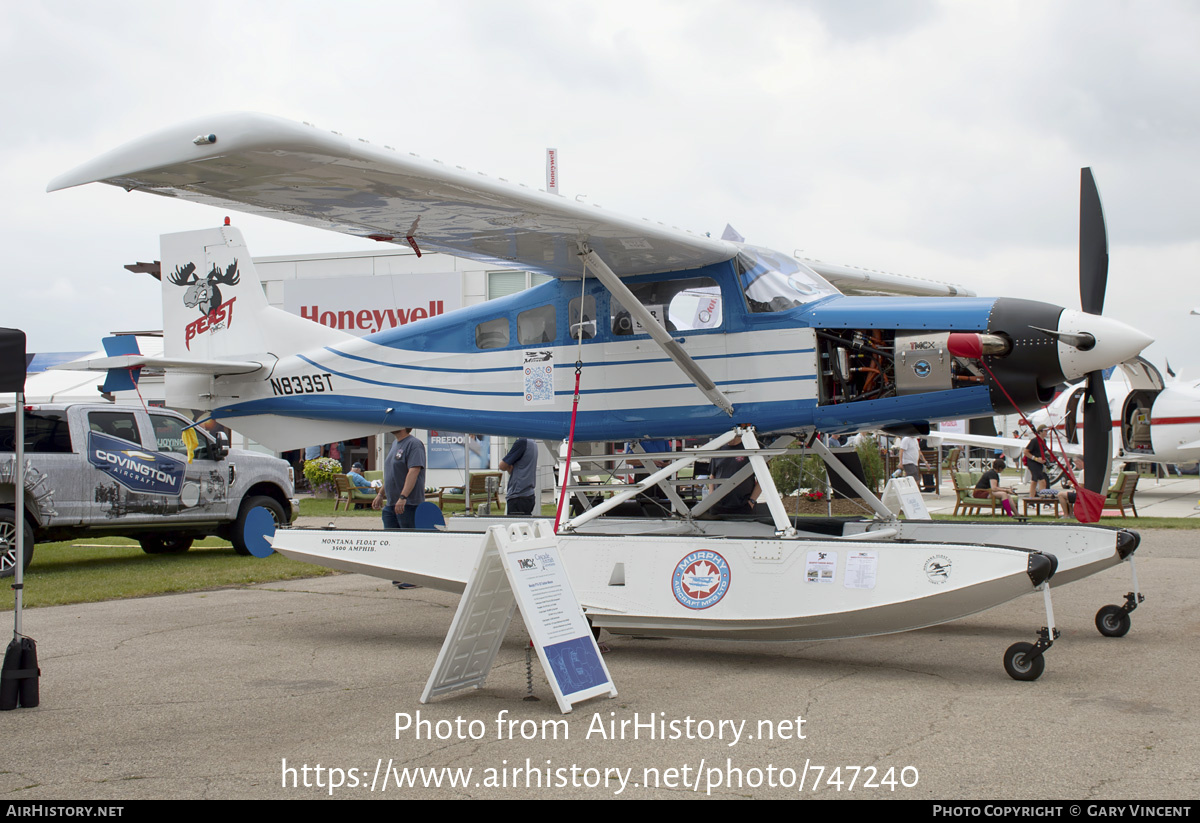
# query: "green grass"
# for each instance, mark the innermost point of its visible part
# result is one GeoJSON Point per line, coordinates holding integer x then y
{"type": "Point", "coordinates": [112, 568]}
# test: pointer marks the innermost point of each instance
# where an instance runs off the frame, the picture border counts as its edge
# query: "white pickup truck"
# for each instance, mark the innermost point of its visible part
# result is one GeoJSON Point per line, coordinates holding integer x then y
{"type": "Point", "coordinates": [123, 470]}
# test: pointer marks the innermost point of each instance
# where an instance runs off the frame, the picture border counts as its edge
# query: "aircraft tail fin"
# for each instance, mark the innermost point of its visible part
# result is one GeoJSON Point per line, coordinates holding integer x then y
{"type": "Point", "coordinates": [214, 307]}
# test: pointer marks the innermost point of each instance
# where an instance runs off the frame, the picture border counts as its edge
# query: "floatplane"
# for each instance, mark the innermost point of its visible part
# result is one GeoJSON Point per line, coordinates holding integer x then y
{"type": "Point", "coordinates": [644, 331]}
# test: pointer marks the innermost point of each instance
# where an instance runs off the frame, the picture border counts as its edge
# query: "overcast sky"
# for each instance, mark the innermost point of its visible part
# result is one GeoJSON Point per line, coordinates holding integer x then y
{"type": "Point", "coordinates": [938, 139]}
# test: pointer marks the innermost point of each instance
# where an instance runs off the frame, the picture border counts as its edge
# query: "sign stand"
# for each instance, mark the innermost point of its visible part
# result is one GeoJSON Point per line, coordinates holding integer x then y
{"type": "Point", "coordinates": [519, 567]}
{"type": "Point", "coordinates": [903, 494]}
{"type": "Point", "coordinates": [19, 674]}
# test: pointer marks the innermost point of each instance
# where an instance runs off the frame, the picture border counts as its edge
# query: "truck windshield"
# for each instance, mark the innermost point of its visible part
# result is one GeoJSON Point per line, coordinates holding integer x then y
{"type": "Point", "coordinates": [776, 282]}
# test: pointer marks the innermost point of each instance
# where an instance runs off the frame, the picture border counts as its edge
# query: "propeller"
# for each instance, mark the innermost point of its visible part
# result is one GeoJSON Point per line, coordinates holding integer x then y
{"type": "Point", "coordinates": [1093, 280]}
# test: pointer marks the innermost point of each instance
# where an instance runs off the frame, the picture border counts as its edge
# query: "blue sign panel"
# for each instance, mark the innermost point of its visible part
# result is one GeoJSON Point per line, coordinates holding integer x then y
{"type": "Point", "coordinates": [134, 468]}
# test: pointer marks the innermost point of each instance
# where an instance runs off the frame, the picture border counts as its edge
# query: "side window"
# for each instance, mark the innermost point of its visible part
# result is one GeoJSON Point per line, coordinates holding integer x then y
{"type": "Point", "coordinates": [585, 325]}
{"type": "Point", "coordinates": [680, 305]}
{"type": "Point", "coordinates": [168, 436]}
{"type": "Point", "coordinates": [536, 326]}
{"type": "Point", "coordinates": [492, 334]}
{"type": "Point", "coordinates": [115, 424]}
{"type": "Point", "coordinates": [46, 432]}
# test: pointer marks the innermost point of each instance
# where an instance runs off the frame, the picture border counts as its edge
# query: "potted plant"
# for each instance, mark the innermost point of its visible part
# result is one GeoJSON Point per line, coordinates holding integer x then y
{"type": "Point", "coordinates": [320, 473]}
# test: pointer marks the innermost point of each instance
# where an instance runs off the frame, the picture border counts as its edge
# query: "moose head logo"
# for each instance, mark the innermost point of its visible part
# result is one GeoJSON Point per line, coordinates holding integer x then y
{"type": "Point", "coordinates": [205, 296]}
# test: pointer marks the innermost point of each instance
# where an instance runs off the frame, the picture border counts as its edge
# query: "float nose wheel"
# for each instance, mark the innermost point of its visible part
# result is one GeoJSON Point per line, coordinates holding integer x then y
{"type": "Point", "coordinates": [1114, 621]}
{"type": "Point", "coordinates": [1024, 661]}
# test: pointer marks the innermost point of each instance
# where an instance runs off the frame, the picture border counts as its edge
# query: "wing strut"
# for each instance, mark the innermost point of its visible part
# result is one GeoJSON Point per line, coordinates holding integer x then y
{"type": "Point", "coordinates": [660, 335]}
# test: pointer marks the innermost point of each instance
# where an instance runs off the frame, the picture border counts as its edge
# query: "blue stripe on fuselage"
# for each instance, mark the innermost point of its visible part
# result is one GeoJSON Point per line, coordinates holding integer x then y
{"type": "Point", "coordinates": [658, 421]}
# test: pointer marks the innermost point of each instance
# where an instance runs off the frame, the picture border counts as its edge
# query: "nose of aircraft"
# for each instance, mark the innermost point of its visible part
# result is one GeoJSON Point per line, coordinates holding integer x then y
{"type": "Point", "coordinates": [1114, 342]}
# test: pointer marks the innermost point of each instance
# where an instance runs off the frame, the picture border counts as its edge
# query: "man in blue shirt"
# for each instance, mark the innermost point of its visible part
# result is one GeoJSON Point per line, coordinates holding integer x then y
{"type": "Point", "coordinates": [521, 465]}
{"type": "Point", "coordinates": [355, 476]}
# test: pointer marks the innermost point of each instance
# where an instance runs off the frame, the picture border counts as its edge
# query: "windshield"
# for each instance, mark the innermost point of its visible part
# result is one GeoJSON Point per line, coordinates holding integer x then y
{"type": "Point", "coordinates": [775, 282]}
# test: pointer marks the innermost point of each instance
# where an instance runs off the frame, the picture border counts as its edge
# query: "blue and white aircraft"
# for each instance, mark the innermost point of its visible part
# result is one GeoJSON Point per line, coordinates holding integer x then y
{"type": "Point", "coordinates": [682, 335]}
{"type": "Point", "coordinates": [671, 335]}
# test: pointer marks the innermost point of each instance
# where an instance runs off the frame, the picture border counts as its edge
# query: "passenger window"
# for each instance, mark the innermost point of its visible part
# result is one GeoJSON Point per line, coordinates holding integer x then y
{"type": "Point", "coordinates": [115, 424]}
{"type": "Point", "coordinates": [536, 326]}
{"type": "Point", "coordinates": [492, 334]}
{"type": "Point", "coordinates": [586, 326]}
{"type": "Point", "coordinates": [680, 305]}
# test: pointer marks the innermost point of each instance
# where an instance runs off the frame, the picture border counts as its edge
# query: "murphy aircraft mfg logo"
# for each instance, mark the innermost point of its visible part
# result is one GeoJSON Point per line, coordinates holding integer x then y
{"type": "Point", "coordinates": [700, 579]}
{"type": "Point", "coordinates": [136, 470]}
{"type": "Point", "coordinates": [204, 295]}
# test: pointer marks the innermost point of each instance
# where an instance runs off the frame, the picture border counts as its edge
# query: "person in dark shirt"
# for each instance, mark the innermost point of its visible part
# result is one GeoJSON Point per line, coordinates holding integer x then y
{"type": "Point", "coordinates": [1036, 456]}
{"type": "Point", "coordinates": [988, 487]}
{"type": "Point", "coordinates": [744, 498]}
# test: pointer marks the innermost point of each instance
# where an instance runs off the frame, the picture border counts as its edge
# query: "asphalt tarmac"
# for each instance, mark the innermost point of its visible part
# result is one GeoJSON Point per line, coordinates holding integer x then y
{"type": "Point", "coordinates": [292, 690]}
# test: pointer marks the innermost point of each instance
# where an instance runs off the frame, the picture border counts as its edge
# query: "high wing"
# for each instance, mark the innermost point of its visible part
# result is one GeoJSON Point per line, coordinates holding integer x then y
{"type": "Point", "coordinates": [856, 281]}
{"type": "Point", "coordinates": [1003, 443]}
{"type": "Point", "coordinates": [266, 165]}
{"type": "Point", "coordinates": [273, 167]}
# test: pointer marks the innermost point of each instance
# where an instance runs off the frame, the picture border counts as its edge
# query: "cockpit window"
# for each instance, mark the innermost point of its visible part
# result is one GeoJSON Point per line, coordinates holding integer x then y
{"type": "Point", "coordinates": [775, 282]}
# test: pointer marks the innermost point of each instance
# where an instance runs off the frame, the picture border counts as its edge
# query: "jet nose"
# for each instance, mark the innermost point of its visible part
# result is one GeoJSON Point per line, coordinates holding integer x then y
{"type": "Point", "coordinates": [1107, 342]}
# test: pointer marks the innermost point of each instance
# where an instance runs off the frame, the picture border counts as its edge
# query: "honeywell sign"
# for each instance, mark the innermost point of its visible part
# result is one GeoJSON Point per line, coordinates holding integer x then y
{"type": "Point", "coordinates": [365, 305]}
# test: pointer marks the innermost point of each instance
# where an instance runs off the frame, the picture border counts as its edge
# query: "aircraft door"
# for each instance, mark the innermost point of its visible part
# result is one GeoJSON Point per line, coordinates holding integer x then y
{"type": "Point", "coordinates": [643, 383]}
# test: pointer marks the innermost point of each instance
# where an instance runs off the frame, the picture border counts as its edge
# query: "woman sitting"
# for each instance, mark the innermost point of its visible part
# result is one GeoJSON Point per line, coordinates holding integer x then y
{"type": "Point", "coordinates": [988, 487]}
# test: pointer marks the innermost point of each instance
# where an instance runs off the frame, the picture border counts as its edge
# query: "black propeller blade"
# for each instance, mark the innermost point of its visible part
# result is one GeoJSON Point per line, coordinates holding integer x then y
{"type": "Point", "coordinates": [1093, 280]}
{"type": "Point", "coordinates": [1093, 246]}
{"type": "Point", "coordinates": [1097, 434]}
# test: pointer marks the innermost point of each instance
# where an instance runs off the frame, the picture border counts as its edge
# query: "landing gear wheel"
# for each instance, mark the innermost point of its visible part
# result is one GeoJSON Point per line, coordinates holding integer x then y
{"type": "Point", "coordinates": [239, 537]}
{"type": "Point", "coordinates": [166, 543]}
{"type": "Point", "coordinates": [1112, 621]}
{"type": "Point", "coordinates": [1021, 665]}
{"type": "Point", "coordinates": [8, 542]}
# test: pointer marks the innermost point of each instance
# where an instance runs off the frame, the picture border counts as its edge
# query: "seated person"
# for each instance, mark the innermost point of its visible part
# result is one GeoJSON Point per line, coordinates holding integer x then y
{"type": "Point", "coordinates": [355, 476]}
{"type": "Point", "coordinates": [1066, 497]}
{"type": "Point", "coordinates": [989, 487]}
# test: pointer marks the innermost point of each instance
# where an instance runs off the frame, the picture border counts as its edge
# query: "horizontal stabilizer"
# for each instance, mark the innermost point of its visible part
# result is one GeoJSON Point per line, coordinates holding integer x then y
{"type": "Point", "coordinates": [123, 379]}
{"type": "Point", "coordinates": [126, 362]}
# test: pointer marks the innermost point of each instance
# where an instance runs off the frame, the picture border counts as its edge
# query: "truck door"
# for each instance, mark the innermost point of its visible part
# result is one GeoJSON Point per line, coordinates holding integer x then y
{"type": "Point", "coordinates": [205, 485]}
{"type": "Point", "coordinates": [128, 482]}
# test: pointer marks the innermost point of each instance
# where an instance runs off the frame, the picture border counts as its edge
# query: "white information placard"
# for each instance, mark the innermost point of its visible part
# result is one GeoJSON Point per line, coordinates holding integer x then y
{"type": "Point", "coordinates": [862, 567]}
{"type": "Point", "coordinates": [519, 567]}
{"type": "Point", "coordinates": [903, 494]}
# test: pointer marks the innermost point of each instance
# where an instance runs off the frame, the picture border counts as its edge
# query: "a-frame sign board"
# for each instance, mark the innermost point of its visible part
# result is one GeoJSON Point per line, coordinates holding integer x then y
{"type": "Point", "coordinates": [519, 567]}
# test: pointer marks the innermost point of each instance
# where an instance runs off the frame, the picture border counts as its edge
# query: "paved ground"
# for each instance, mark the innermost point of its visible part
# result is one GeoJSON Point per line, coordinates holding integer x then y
{"type": "Point", "coordinates": [207, 695]}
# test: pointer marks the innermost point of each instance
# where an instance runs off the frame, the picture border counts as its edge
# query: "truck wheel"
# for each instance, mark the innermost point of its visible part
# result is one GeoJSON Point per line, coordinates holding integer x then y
{"type": "Point", "coordinates": [240, 538]}
{"type": "Point", "coordinates": [166, 543]}
{"type": "Point", "coordinates": [8, 542]}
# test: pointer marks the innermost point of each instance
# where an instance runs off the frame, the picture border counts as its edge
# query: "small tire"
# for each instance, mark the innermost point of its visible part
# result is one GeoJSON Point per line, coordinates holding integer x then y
{"type": "Point", "coordinates": [1019, 663]}
{"type": "Point", "coordinates": [238, 538]}
{"type": "Point", "coordinates": [1113, 621]}
{"type": "Point", "coordinates": [8, 541]}
{"type": "Point", "coordinates": [166, 543]}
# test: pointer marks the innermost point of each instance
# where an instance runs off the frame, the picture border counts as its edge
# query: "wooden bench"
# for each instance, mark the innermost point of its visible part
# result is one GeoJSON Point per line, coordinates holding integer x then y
{"type": "Point", "coordinates": [1038, 502]}
{"type": "Point", "coordinates": [1120, 494]}
{"type": "Point", "coordinates": [347, 493]}
{"type": "Point", "coordinates": [478, 489]}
